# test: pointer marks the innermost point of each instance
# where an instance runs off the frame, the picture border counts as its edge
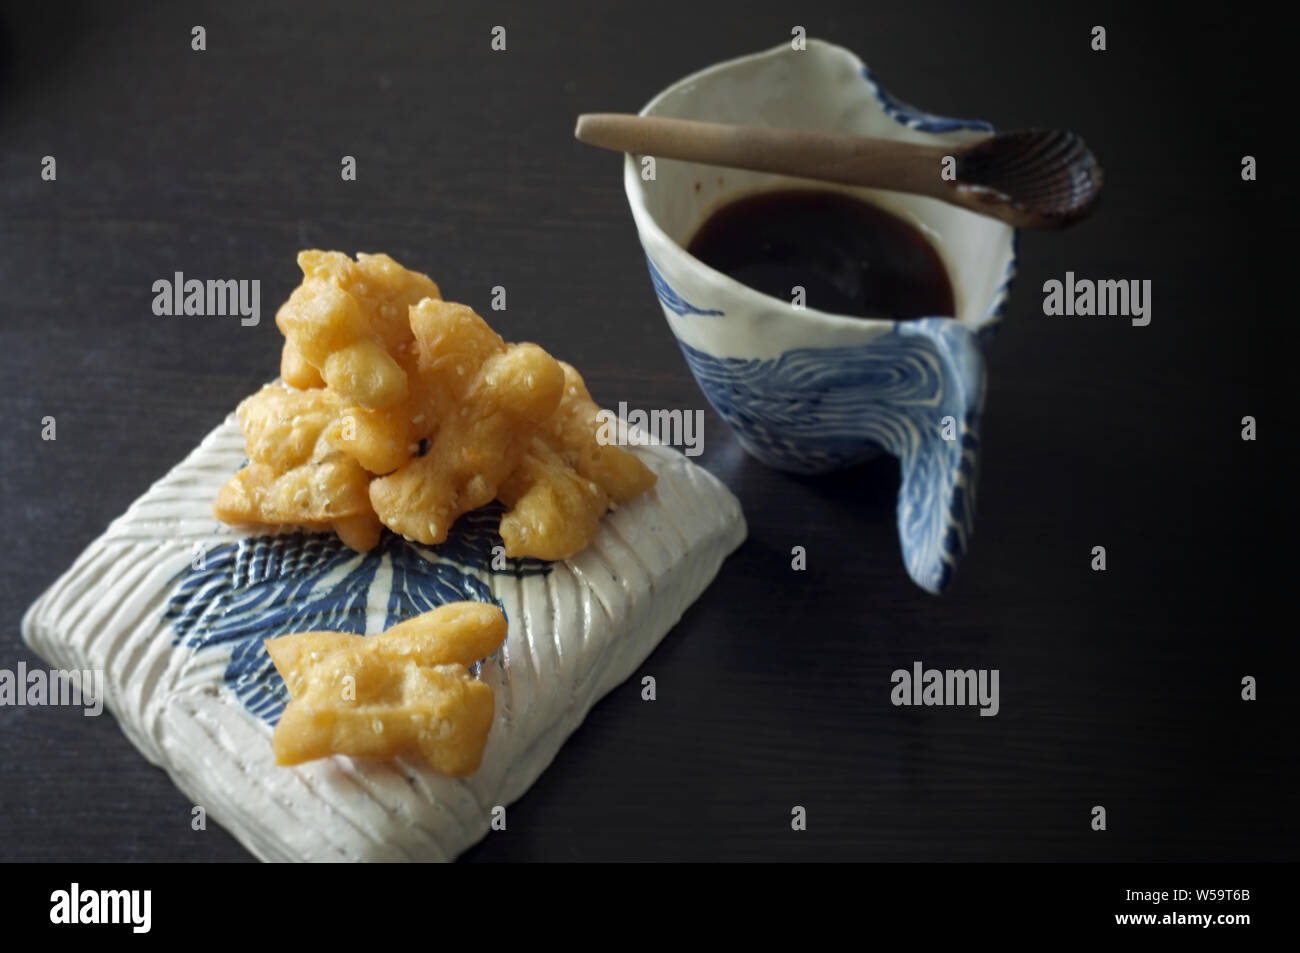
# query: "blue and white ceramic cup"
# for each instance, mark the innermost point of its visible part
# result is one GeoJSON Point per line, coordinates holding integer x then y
{"type": "Point", "coordinates": [804, 390]}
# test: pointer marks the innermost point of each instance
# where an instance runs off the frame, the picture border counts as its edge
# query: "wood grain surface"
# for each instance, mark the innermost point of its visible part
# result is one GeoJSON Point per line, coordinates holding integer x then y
{"type": "Point", "coordinates": [1118, 688]}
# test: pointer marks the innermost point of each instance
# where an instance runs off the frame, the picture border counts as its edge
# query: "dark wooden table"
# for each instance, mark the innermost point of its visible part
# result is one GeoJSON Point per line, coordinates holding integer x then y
{"type": "Point", "coordinates": [1119, 688]}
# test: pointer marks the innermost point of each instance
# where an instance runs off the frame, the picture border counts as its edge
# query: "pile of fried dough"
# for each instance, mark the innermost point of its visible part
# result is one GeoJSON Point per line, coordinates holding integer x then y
{"type": "Point", "coordinates": [396, 408]}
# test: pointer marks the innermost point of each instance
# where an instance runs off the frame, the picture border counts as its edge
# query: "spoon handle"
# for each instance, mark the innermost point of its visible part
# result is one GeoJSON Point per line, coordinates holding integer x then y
{"type": "Point", "coordinates": [830, 157]}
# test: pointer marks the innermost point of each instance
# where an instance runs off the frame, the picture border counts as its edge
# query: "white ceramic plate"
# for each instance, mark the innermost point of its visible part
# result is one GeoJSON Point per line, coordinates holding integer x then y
{"type": "Point", "coordinates": [173, 607]}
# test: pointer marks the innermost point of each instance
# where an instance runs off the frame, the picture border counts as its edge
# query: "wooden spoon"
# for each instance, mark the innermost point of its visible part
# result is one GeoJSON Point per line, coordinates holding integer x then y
{"type": "Point", "coordinates": [1035, 178]}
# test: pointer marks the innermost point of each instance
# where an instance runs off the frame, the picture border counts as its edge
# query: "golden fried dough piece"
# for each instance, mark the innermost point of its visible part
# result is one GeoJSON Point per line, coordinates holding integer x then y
{"type": "Point", "coordinates": [364, 372]}
{"type": "Point", "coordinates": [294, 478]}
{"type": "Point", "coordinates": [566, 481]}
{"type": "Point", "coordinates": [379, 440]}
{"type": "Point", "coordinates": [513, 393]}
{"type": "Point", "coordinates": [349, 319]}
{"type": "Point", "coordinates": [320, 491]}
{"type": "Point", "coordinates": [294, 655]}
{"type": "Point", "coordinates": [387, 292]}
{"type": "Point", "coordinates": [452, 342]}
{"type": "Point", "coordinates": [326, 326]}
{"type": "Point", "coordinates": [383, 440]}
{"type": "Point", "coordinates": [442, 713]}
{"type": "Point", "coordinates": [296, 371]}
{"type": "Point", "coordinates": [408, 689]}
{"type": "Point", "coordinates": [383, 289]}
{"type": "Point", "coordinates": [573, 430]}
{"type": "Point", "coordinates": [554, 512]}
{"type": "Point", "coordinates": [283, 426]}
{"type": "Point", "coordinates": [458, 633]}
{"type": "Point", "coordinates": [360, 531]}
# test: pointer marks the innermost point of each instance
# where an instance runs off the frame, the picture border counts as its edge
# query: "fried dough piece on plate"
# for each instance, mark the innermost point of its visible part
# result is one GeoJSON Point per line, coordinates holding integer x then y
{"type": "Point", "coordinates": [475, 448]}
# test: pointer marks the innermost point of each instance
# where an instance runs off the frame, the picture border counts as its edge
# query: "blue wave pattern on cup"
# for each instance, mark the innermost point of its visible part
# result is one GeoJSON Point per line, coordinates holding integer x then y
{"type": "Point", "coordinates": [669, 297]}
{"type": "Point", "coordinates": [265, 586]}
{"type": "Point", "coordinates": [811, 410]}
{"type": "Point", "coordinates": [915, 118]}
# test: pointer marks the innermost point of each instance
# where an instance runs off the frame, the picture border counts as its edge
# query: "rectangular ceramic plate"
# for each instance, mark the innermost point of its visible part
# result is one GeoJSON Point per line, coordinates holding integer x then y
{"type": "Point", "coordinates": [173, 607]}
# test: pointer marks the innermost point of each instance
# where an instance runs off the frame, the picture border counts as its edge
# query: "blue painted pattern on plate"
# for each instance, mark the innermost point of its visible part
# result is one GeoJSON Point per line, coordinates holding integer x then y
{"type": "Point", "coordinates": [264, 586]}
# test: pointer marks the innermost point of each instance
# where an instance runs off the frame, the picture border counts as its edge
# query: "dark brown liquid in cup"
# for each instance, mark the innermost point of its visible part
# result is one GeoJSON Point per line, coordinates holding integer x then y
{"type": "Point", "coordinates": [851, 257]}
